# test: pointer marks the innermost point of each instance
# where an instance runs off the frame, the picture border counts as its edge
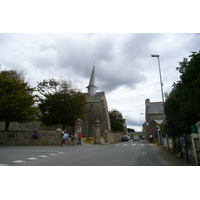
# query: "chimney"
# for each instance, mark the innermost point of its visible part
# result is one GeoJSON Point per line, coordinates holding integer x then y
{"type": "Point", "coordinates": [147, 102]}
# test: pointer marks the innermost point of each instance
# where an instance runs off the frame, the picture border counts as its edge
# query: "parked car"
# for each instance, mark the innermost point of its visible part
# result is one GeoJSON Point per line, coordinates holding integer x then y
{"type": "Point", "coordinates": [136, 138]}
{"type": "Point", "coordinates": [125, 138]}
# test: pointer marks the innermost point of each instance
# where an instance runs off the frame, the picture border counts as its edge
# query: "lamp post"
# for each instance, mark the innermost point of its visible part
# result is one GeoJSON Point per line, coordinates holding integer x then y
{"type": "Point", "coordinates": [161, 85]}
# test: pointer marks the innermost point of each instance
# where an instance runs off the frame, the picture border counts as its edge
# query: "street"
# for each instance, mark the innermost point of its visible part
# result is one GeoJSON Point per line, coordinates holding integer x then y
{"type": "Point", "coordinates": [131, 153]}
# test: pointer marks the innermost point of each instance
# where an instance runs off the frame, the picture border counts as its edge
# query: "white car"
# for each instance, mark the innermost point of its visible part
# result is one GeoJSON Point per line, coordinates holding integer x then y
{"type": "Point", "coordinates": [136, 138]}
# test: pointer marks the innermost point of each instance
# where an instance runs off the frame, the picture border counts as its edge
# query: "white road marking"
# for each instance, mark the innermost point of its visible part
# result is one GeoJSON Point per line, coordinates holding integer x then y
{"type": "Point", "coordinates": [116, 145]}
{"type": "Point", "coordinates": [53, 154]}
{"type": "Point", "coordinates": [133, 144]}
{"type": "Point", "coordinates": [4, 164]}
{"type": "Point", "coordinates": [43, 156]}
{"type": "Point", "coordinates": [32, 158]}
{"type": "Point", "coordinates": [125, 144]}
{"type": "Point", "coordinates": [18, 161]}
{"type": "Point", "coordinates": [61, 153]}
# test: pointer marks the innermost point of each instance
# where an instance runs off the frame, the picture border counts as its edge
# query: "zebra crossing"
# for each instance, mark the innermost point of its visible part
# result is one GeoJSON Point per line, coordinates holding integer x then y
{"type": "Point", "coordinates": [128, 144]}
{"type": "Point", "coordinates": [32, 158]}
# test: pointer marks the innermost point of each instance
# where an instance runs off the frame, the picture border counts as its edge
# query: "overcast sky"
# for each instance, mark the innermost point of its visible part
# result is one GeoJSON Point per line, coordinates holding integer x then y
{"type": "Point", "coordinates": [46, 46]}
{"type": "Point", "coordinates": [125, 69]}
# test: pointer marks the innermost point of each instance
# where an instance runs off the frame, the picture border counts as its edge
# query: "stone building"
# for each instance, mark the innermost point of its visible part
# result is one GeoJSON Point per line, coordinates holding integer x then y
{"type": "Point", "coordinates": [154, 117]}
{"type": "Point", "coordinates": [96, 108]}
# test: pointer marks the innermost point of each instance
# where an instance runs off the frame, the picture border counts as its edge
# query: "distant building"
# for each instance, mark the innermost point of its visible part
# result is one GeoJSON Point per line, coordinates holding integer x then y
{"type": "Point", "coordinates": [154, 117]}
{"type": "Point", "coordinates": [135, 133]}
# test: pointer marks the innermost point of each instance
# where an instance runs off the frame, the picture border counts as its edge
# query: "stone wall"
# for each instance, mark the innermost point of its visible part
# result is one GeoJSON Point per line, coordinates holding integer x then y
{"type": "Point", "coordinates": [111, 138]}
{"type": "Point", "coordinates": [16, 138]}
{"type": "Point", "coordinates": [32, 126]}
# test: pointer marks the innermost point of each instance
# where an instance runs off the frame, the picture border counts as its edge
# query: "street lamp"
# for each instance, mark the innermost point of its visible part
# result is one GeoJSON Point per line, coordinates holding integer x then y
{"type": "Point", "coordinates": [161, 85]}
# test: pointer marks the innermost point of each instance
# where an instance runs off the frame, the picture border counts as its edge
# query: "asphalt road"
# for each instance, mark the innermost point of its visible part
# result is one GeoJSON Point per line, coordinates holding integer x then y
{"type": "Point", "coordinates": [132, 153]}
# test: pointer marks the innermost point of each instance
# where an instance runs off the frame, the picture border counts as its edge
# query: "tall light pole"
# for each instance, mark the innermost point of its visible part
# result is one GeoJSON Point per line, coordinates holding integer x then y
{"type": "Point", "coordinates": [161, 85]}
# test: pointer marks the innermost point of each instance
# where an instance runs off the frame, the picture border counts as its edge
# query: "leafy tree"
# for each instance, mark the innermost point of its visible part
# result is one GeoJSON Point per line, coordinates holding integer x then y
{"type": "Point", "coordinates": [117, 121]}
{"type": "Point", "coordinates": [60, 102]}
{"type": "Point", "coordinates": [130, 130]}
{"type": "Point", "coordinates": [16, 98]}
{"type": "Point", "coordinates": [182, 108]}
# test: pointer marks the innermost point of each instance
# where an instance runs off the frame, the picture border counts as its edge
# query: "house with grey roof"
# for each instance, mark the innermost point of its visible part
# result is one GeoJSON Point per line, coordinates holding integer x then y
{"type": "Point", "coordinates": [154, 116]}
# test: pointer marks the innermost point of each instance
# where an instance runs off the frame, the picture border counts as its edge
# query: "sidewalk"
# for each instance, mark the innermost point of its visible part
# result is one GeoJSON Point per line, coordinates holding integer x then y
{"type": "Point", "coordinates": [177, 161]}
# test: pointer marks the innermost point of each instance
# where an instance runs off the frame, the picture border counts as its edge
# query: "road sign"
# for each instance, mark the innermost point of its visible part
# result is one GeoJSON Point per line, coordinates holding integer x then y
{"type": "Point", "coordinates": [152, 130]}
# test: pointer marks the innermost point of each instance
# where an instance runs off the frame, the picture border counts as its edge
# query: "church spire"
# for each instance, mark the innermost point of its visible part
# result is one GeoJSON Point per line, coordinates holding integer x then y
{"type": "Point", "coordinates": [91, 87]}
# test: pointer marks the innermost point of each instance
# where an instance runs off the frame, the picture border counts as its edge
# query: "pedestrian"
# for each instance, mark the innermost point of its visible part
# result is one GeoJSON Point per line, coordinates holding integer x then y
{"type": "Point", "coordinates": [75, 139]}
{"type": "Point", "coordinates": [67, 138]}
{"type": "Point", "coordinates": [64, 139]}
{"type": "Point", "coordinates": [151, 138]}
{"type": "Point", "coordinates": [72, 138]}
{"type": "Point", "coordinates": [79, 138]}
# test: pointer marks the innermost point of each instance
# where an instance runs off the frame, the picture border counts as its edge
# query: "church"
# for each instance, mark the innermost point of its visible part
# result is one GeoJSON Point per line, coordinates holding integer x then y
{"type": "Point", "coordinates": [96, 109]}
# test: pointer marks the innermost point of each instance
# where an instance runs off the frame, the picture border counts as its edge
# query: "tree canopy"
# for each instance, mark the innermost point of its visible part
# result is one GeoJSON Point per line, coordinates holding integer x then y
{"type": "Point", "coordinates": [182, 108]}
{"type": "Point", "coordinates": [60, 103]}
{"type": "Point", "coordinates": [117, 121]}
{"type": "Point", "coordinates": [16, 98]}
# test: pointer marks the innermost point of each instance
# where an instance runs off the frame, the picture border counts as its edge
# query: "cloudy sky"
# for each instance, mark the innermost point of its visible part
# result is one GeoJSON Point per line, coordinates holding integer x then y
{"type": "Point", "coordinates": [125, 69]}
{"type": "Point", "coordinates": [48, 39]}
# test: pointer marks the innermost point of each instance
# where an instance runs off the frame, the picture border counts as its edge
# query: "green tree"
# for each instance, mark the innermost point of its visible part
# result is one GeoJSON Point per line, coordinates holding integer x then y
{"type": "Point", "coordinates": [182, 108]}
{"type": "Point", "coordinates": [130, 130]}
{"type": "Point", "coordinates": [60, 103]}
{"type": "Point", "coordinates": [117, 121]}
{"type": "Point", "coordinates": [16, 98]}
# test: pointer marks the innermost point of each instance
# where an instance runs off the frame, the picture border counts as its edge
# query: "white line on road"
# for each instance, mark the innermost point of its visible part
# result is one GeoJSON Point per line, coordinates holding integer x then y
{"type": "Point", "coordinates": [32, 158]}
{"type": "Point", "coordinates": [116, 145]}
{"type": "Point", "coordinates": [18, 161]}
{"type": "Point", "coordinates": [4, 164]}
{"type": "Point", "coordinates": [43, 156]}
{"type": "Point", "coordinates": [61, 153]}
{"type": "Point", "coordinates": [53, 154]}
{"type": "Point", "coordinates": [133, 144]}
{"type": "Point", "coordinates": [125, 144]}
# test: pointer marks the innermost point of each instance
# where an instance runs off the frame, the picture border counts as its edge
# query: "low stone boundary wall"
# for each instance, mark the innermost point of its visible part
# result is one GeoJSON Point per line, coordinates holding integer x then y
{"type": "Point", "coordinates": [111, 138]}
{"type": "Point", "coordinates": [25, 138]}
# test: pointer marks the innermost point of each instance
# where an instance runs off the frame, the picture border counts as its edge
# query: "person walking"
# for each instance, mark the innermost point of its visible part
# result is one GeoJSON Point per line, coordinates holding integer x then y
{"type": "Point", "coordinates": [75, 139]}
{"type": "Point", "coordinates": [64, 139]}
{"type": "Point", "coordinates": [72, 138]}
{"type": "Point", "coordinates": [151, 138]}
{"type": "Point", "coordinates": [67, 139]}
{"type": "Point", "coordinates": [79, 138]}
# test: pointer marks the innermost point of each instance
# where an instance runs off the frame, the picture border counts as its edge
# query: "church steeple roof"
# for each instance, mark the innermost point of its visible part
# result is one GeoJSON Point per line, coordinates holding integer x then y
{"type": "Point", "coordinates": [91, 87]}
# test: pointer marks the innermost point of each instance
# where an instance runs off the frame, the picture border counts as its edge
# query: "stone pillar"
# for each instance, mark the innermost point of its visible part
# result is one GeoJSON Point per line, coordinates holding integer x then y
{"type": "Point", "coordinates": [97, 132]}
{"type": "Point", "coordinates": [78, 127]}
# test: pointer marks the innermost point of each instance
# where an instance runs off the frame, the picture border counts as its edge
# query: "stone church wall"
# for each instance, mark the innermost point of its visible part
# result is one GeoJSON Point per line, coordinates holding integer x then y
{"type": "Point", "coordinates": [98, 111]}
